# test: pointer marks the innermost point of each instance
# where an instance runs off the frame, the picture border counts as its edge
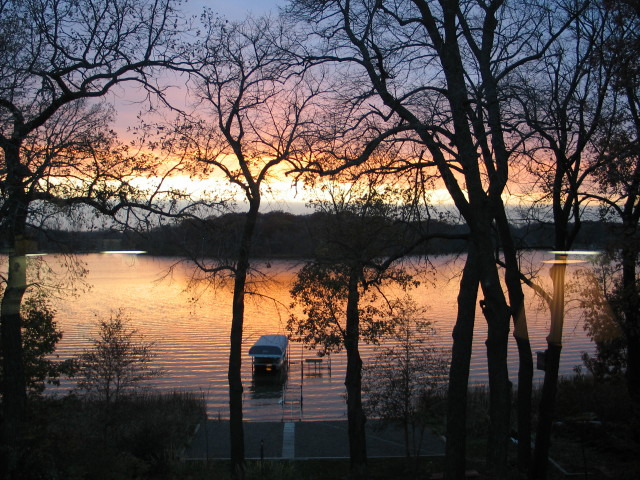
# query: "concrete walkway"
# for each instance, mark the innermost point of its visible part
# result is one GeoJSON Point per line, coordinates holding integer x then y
{"type": "Point", "coordinates": [302, 440]}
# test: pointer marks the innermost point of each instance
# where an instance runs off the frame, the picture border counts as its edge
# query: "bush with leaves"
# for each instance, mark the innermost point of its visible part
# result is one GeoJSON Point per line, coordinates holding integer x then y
{"type": "Point", "coordinates": [40, 335]}
{"type": "Point", "coordinates": [118, 363]}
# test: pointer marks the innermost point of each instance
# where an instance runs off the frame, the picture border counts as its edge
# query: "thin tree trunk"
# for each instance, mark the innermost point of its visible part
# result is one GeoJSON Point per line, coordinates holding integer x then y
{"type": "Point", "coordinates": [455, 453]}
{"type": "Point", "coordinates": [406, 394]}
{"type": "Point", "coordinates": [353, 381]}
{"type": "Point", "coordinates": [631, 307]}
{"type": "Point", "coordinates": [630, 251]}
{"type": "Point", "coordinates": [236, 430]}
{"type": "Point", "coordinates": [407, 448]}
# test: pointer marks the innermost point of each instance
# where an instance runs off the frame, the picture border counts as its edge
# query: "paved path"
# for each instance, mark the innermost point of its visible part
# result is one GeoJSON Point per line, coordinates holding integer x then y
{"type": "Point", "coordinates": [300, 440]}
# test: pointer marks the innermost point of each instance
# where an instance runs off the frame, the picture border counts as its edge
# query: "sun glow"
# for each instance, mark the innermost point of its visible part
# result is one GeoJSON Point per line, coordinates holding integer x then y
{"type": "Point", "coordinates": [279, 190]}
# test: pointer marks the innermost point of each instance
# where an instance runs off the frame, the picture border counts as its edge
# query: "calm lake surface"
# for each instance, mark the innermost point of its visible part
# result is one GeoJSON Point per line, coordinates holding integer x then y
{"type": "Point", "coordinates": [191, 331]}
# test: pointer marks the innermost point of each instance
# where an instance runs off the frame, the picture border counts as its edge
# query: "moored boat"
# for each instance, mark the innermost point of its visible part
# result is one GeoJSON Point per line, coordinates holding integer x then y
{"type": "Point", "coordinates": [269, 352]}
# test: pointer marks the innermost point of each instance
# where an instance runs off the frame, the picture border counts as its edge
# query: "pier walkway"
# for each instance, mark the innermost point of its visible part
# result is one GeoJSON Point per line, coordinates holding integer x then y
{"type": "Point", "coordinates": [302, 440]}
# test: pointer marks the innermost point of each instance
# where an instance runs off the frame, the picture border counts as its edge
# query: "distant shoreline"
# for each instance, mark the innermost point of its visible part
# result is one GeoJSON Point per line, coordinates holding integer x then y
{"type": "Point", "coordinates": [285, 236]}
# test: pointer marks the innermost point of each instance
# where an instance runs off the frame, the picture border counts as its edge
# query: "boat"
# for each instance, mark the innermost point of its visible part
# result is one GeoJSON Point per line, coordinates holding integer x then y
{"type": "Point", "coordinates": [269, 353]}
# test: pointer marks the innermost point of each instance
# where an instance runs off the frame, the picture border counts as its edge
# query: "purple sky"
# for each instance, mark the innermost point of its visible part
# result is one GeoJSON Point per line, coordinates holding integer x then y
{"type": "Point", "coordinates": [236, 9]}
{"type": "Point", "coordinates": [127, 99]}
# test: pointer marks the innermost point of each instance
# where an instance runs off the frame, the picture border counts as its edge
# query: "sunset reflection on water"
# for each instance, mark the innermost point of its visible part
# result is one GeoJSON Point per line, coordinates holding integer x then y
{"type": "Point", "coordinates": [191, 331]}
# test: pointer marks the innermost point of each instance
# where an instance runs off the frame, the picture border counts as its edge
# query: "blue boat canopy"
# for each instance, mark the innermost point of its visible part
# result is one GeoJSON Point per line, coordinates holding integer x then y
{"type": "Point", "coordinates": [269, 346]}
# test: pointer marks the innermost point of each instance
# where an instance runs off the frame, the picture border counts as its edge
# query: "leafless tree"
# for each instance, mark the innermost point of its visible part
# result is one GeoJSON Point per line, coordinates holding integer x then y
{"type": "Point", "coordinates": [254, 102]}
{"type": "Point", "coordinates": [118, 362]}
{"type": "Point", "coordinates": [563, 100]}
{"type": "Point", "coordinates": [406, 382]}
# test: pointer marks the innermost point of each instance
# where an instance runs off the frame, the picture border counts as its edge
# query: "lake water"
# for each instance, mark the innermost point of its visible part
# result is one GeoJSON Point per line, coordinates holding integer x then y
{"type": "Point", "coordinates": [191, 331]}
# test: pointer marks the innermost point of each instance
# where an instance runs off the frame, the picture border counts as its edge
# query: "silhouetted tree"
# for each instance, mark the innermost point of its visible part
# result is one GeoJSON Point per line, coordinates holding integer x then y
{"type": "Point", "coordinates": [618, 172]}
{"type": "Point", "coordinates": [438, 70]}
{"type": "Point", "coordinates": [338, 291]}
{"type": "Point", "coordinates": [252, 102]}
{"type": "Point", "coordinates": [53, 55]}
{"type": "Point", "coordinates": [562, 100]}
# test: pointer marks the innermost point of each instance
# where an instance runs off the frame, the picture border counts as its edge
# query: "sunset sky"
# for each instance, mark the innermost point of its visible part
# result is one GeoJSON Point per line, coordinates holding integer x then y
{"type": "Point", "coordinates": [130, 101]}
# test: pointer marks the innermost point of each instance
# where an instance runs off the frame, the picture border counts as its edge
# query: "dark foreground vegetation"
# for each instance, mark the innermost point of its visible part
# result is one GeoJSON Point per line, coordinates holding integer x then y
{"type": "Point", "coordinates": [140, 436]}
{"type": "Point", "coordinates": [143, 436]}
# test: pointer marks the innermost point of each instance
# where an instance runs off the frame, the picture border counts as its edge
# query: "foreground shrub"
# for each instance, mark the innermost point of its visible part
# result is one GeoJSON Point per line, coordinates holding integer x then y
{"type": "Point", "coordinates": [118, 362]}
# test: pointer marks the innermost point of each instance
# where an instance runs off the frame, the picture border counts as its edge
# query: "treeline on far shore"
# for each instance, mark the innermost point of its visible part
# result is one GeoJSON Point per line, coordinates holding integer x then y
{"type": "Point", "coordinates": [285, 235]}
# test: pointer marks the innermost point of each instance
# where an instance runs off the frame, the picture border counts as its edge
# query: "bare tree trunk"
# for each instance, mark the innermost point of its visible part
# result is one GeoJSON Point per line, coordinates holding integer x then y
{"type": "Point", "coordinates": [547, 405]}
{"type": "Point", "coordinates": [632, 331]}
{"type": "Point", "coordinates": [407, 421]}
{"type": "Point", "coordinates": [552, 365]}
{"type": "Point", "coordinates": [455, 455]}
{"type": "Point", "coordinates": [353, 381]}
{"type": "Point", "coordinates": [499, 389]}
{"type": "Point", "coordinates": [405, 431]}
{"type": "Point", "coordinates": [14, 396]}
{"type": "Point", "coordinates": [633, 358]}
{"type": "Point", "coordinates": [14, 389]}
{"type": "Point", "coordinates": [236, 431]}
{"type": "Point", "coordinates": [524, 398]}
